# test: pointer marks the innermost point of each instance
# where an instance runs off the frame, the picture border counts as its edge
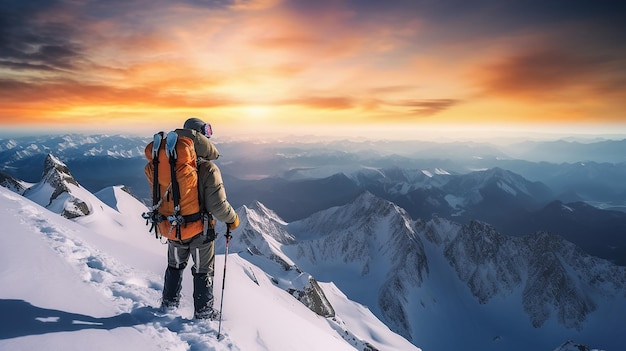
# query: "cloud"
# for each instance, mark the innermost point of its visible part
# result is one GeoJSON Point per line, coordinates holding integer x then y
{"type": "Point", "coordinates": [430, 107]}
{"type": "Point", "coordinates": [404, 110]}
{"type": "Point", "coordinates": [253, 4]}
{"type": "Point", "coordinates": [64, 95]}
{"type": "Point", "coordinates": [549, 73]}
{"type": "Point", "coordinates": [29, 43]}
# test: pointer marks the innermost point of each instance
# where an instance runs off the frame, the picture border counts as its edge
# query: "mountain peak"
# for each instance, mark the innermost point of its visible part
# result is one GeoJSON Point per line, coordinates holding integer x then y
{"type": "Point", "coordinates": [368, 240]}
{"type": "Point", "coordinates": [52, 162]}
{"type": "Point", "coordinates": [54, 191]}
{"type": "Point", "coordinates": [55, 171]}
{"type": "Point", "coordinates": [572, 346]}
{"type": "Point", "coordinates": [259, 207]}
{"type": "Point", "coordinates": [262, 220]}
{"type": "Point", "coordinates": [367, 201]}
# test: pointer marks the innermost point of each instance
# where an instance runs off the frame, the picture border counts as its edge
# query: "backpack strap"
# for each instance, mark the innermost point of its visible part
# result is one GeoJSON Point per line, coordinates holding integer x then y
{"type": "Point", "coordinates": [170, 148]}
{"type": "Point", "coordinates": [156, 189]}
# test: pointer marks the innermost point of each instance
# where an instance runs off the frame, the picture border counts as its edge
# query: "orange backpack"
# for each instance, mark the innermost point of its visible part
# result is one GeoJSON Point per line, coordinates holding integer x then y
{"type": "Point", "coordinates": [172, 173]}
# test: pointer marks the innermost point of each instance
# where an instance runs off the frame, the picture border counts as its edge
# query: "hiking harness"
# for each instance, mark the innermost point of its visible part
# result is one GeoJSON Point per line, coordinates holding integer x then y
{"type": "Point", "coordinates": [153, 217]}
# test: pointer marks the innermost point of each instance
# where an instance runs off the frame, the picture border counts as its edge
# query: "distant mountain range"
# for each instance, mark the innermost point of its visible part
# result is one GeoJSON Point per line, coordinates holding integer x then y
{"type": "Point", "coordinates": [97, 161]}
{"type": "Point", "coordinates": [559, 151]}
{"type": "Point", "coordinates": [460, 181]}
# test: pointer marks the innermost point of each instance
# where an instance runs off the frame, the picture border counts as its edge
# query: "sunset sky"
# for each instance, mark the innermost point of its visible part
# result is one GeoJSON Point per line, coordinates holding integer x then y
{"type": "Point", "coordinates": [368, 67]}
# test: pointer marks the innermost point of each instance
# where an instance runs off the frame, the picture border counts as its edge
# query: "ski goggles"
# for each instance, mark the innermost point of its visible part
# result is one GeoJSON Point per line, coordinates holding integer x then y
{"type": "Point", "coordinates": [207, 130]}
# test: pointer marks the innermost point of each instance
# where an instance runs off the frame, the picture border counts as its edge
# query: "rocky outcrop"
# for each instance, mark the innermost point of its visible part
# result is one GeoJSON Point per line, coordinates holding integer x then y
{"type": "Point", "coordinates": [11, 183]}
{"type": "Point", "coordinates": [313, 297]}
{"type": "Point", "coordinates": [57, 189]}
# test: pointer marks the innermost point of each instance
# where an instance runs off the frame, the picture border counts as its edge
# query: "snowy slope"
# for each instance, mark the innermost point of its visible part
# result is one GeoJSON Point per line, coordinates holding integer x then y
{"type": "Point", "coordinates": [61, 293]}
{"type": "Point", "coordinates": [262, 239]}
{"type": "Point", "coordinates": [93, 281]}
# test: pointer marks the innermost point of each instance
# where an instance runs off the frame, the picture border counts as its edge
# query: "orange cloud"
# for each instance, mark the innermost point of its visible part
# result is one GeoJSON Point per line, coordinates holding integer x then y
{"type": "Point", "coordinates": [536, 74]}
{"type": "Point", "coordinates": [430, 107]}
{"type": "Point", "coordinates": [565, 84]}
{"type": "Point", "coordinates": [58, 97]}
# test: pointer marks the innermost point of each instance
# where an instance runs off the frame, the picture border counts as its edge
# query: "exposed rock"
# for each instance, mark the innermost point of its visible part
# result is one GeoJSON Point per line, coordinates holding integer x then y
{"type": "Point", "coordinates": [312, 296]}
{"type": "Point", "coordinates": [11, 183]}
{"type": "Point", "coordinates": [54, 190]}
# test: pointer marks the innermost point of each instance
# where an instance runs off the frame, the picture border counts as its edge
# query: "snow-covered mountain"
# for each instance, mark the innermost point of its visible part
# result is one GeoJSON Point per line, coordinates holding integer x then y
{"type": "Point", "coordinates": [447, 286]}
{"type": "Point", "coordinates": [371, 246]}
{"type": "Point", "coordinates": [496, 185]}
{"type": "Point", "coordinates": [398, 181]}
{"type": "Point", "coordinates": [59, 191]}
{"type": "Point", "coordinates": [262, 239]}
{"type": "Point", "coordinates": [558, 282]}
{"type": "Point", "coordinates": [93, 279]}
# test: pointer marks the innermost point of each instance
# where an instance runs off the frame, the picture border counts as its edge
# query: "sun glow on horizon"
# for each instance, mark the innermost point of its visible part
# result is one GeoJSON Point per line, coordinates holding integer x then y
{"type": "Point", "coordinates": [257, 111]}
{"type": "Point", "coordinates": [259, 129]}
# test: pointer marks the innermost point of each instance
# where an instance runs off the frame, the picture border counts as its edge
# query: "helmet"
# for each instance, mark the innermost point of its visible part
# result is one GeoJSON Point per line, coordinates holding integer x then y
{"type": "Point", "coordinates": [199, 126]}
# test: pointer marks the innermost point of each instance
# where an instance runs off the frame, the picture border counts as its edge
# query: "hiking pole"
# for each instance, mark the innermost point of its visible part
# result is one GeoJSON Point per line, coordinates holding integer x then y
{"type": "Point", "coordinates": [228, 236]}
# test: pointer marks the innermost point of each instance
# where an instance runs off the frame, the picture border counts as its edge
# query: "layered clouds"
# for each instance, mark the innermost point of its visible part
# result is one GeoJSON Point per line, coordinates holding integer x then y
{"type": "Point", "coordinates": [256, 64]}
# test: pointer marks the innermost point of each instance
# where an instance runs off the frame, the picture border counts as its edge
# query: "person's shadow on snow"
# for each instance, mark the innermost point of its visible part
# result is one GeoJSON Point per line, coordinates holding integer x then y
{"type": "Point", "coordinates": [20, 318]}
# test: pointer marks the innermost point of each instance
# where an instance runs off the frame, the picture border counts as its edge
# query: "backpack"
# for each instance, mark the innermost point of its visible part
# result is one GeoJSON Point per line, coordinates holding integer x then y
{"type": "Point", "coordinates": [172, 173]}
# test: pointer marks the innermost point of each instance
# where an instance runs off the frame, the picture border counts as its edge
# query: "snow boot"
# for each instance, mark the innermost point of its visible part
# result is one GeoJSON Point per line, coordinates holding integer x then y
{"type": "Point", "coordinates": [171, 288]}
{"type": "Point", "coordinates": [203, 296]}
{"type": "Point", "coordinates": [207, 313]}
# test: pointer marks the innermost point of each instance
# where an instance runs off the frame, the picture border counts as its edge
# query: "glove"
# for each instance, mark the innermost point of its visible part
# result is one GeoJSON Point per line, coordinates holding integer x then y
{"type": "Point", "coordinates": [235, 224]}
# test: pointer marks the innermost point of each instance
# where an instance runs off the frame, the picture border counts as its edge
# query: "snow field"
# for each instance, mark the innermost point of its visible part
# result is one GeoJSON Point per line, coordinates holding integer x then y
{"type": "Point", "coordinates": [68, 285]}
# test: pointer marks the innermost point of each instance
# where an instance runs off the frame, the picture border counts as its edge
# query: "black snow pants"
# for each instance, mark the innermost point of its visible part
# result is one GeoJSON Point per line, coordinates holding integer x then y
{"type": "Point", "coordinates": [202, 252]}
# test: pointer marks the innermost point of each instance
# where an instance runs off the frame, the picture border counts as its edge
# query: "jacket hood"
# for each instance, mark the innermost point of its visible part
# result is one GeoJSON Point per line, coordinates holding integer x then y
{"type": "Point", "coordinates": [204, 147]}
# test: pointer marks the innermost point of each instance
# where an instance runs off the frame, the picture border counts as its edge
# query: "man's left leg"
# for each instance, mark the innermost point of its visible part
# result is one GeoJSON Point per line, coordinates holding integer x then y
{"type": "Point", "coordinates": [177, 257]}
